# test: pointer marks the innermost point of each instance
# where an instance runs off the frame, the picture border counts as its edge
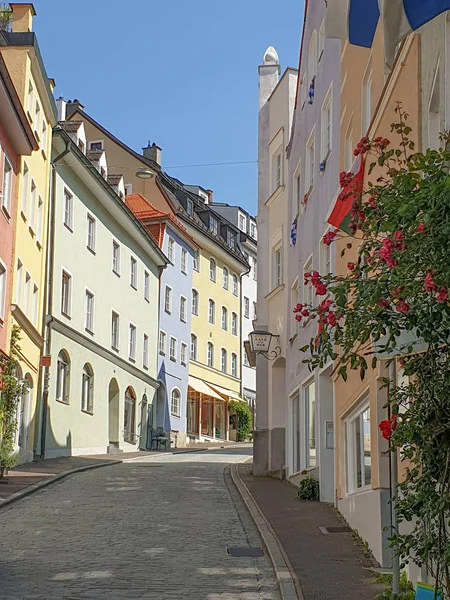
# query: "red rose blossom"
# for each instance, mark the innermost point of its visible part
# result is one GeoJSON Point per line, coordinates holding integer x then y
{"type": "Point", "coordinates": [321, 289]}
{"type": "Point", "coordinates": [442, 295]}
{"type": "Point", "coordinates": [383, 303]}
{"type": "Point", "coordinates": [387, 427]}
{"type": "Point", "coordinates": [305, 313]}
{"type": "Point", "coordinates": [421, 228]}
{"type": "Point", "coordinates": [351, 266]}
{"type": "Point", "coordinates": [398, 235]}
{"type": "Point", "coordinates": [429, 284]}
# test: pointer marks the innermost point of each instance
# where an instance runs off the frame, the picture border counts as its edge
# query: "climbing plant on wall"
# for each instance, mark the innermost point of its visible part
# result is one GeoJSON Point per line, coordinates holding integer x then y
{"type": "Point", "coordinates": [244, 419]}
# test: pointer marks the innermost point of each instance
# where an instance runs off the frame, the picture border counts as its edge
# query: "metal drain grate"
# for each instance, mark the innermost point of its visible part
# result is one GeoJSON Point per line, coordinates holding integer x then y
{"type": "Point", "coordinates": [245, 552]}
{"type": "Point", "coordinates": [328, 530]}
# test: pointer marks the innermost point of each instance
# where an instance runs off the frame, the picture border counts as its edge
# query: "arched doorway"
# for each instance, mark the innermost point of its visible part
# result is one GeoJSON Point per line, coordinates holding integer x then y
{"type": "Point", "coordinates": [129, 416]}
{"type": "Point", "coordinates": [113, 414]}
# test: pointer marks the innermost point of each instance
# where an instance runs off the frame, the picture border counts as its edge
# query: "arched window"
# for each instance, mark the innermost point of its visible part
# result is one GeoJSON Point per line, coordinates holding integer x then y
{"type": "Point", "coordinates": [223, 360]}
{"type": "Point", "coordinates": [63, 377]}
{"type": "Point", "coordinates": [225, 278]}
{"type": "Point", "coordinates": [235, 285]}
{"type": "Point", "coordinates": [129, 416]}
{"type": "Point", "coordinates": [87, 389]}
{"type": "Point", "coordinates": [193, 346]}
{"type": "Point", "coordinates": [312, 56]}
{"type": "Point", "coordinates": [175, 402]}
{"type": "Point", "coordinates": [194, 302]}
{"type": "Point", "coordinates": [210, 353]}
{"type": "Point", "coordinates": [234, 323]}
{"type": "Point", "coordinates": [234, 368]}
{"type": "Point", "coordinates": [211, 312]}
{"type": "Point", "coordinates": [224, 318]}
{"type": "Point", "coordinates": [212, 269]}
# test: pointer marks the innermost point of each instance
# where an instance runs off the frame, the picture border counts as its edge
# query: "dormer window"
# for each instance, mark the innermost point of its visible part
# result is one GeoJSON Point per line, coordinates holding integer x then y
{"type": "Point", "coordinates": [242, 223]}
{"type": "Point", "coordinates": [189, 207]}
{"type": "Point", "coordinates": [253, 231]}
{"type": "Point", "coordinates": [95, 145]}
{"type": "Point", "coordinates": [81, 146]}
{"type": "Point", "coordinates": [213, 225]}
{"type": "Point", "coordinates": [231, 238]}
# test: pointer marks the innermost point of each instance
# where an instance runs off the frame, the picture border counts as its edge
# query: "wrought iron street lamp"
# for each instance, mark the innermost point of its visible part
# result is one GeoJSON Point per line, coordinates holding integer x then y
{"type": "Point", "coordinates": [260, 342]}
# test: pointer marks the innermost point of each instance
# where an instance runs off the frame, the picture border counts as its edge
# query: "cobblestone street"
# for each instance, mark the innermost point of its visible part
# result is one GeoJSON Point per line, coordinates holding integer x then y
{"type": "Point", "coordinates": [156, 529]}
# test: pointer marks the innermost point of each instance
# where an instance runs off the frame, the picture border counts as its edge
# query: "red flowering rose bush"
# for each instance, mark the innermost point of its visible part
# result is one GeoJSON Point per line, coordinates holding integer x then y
{"type": "Point", "coordinates": [394, 301]}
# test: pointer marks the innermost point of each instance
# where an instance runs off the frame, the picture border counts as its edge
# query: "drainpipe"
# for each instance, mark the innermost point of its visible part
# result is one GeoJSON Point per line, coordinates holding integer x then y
{"type": "Point", "coordinates": [48, 300]}
{"type": "Point", "coordinates": [394, 490]}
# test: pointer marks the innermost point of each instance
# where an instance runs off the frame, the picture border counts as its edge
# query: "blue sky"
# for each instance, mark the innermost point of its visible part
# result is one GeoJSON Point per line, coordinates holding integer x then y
{"type": "Point", "coordinates": [179, 73]}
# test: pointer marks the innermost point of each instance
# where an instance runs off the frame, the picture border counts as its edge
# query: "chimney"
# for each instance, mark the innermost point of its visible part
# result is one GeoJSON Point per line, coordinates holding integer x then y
{"type": "Point", "coordinates": [22, 17]}
{"type": "Point", "coordinates": [72, 107]}
{"type": "Point", "coordinates": [269, 73]}
{"type": "Point", "coordinates": [61, 106]}
{"type": "Point", "coordinates": [210, 196]}
{"type": "Point", "coordinates": [153, 153]}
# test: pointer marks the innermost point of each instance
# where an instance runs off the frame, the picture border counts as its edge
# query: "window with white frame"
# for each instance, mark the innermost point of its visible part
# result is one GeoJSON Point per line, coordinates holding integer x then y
{"type": "Point", "coordinates": [326, 125]}
{"type": "Point", "coordinates": [96, 145]}
{"type": "Point", "coordinates": [358, 449]}
{"type": "Point", "coordinates": [68, 208]}
{"type": "Point", "coordinates": [212, 269]}
{"type": "Point", "coordinates": [87, 389]}
{"type": "Point", "coordinates": [277, 169]}
{"type": "Point", "coordinates": [133, 272]}
{"type": "Point", "coordinates": [224, 318]}
{"type": "Point", "coordinates": [225, 278]}
{"type": "Point", "coordinates": [162, 342]}
{"type": "Point", "coordinates": [19, 281]}
{"type": "Point", "coordinates": [234, 366]}
{"type": "Point", "coordinates": [194, 346]}
{"type": "Point", "coordinates": [30, 100]}
{"type": "Point", "coordinates": [210, 354]}
{"type": "Point", "coordinates": [310, 420]}
{"type": "Point", "coordinates": [175, 402]}
{"type": "Point", "coordinates": [297, 192]}
{"type": "Point", "coordinates": [213, 224]}
{"type": "Point", "coordinates": [294, 302]}
{"type": "Point", "coordinates": [115, 321]}
{"type": "Point", "coordinates": [132, 342]}
{"type": "Point", "coordinates": [325, 259]}
{"type": "Point", "coordinates": [183, 309]}
{"type": "Point", "coordinates": [40, 219]}
{"type": "Point", "coordinates": [33, 206]}
{"type": "Point", "coordinates": [89, 312]}
{"type": "Point", "coordinates": [312, 56]}
{"type": "Point", "coordinates": [366, 101]}
{"type": "Point", "coordinates": [195, 298]}
{"type": "Point", "coordinates": [184, 260]}
{"type": "Point", "coordinates": [297, 422]}
{"type": "Point", "coordinates": [25, 187]}
{"type": "Point", "coordinates": [116, 258]}
{"type": "Point", "coordinates": [44, 136]}
{"type": "Point", "coordinates": [246, 307]}
{"type": "Point", "coordinates": [255, 314]}
{"type": "Point", "coordinates": [171, 250]}
{"type": "Point", "coordinates": [7, 185]}
{"type": "Point", "coordinates": [277, 269]}
{"type": "Point", "coordinates": [168, 300]}
{"type": "Point", "coordinates": [66, 294]}
{"type": "Point", "coordinates": [235, 285]}
{"type": "Point", "coordinates": [35, 305]}
{"type": "Point", "coordinates": [242, 222]}
{"type": "Point", "coordinates": [348, 147]}
{"type": "Point", "coordinates": [234, 323]}
{"type": "Point", "coordinates": [37, 118]}
{"type": "Point", "coordinates": [27, 299]}
{"type": "Point", "coordinates": [255, 269]}
{"type": "Point", "coordinates": [246, 363]}
{"type": "Point", "coordinates": [196, 262]}
{"type": "Point", "coordinates": [173, 349]}
{"type": "Point", "coordinates": [147, 286]}
{"type": "Point", "coordinates": [308, 288]}
{"type": "Point", "coordinates": [183, 354]}
{"type": "Point", "coordinates": [63, 377]}
{"type": "Point", "coordinates": [211, 311]}
{"type": "Point", "coordinates": [145, 352]}
{"type": "Point", "coordinates": [310, 162]}
{"type": "Point", "coordinates": [91, 232]}
{"type": "Point", "coordinates": [2, 292]}
{"type": "Point", "coordinates": [321, 39]}
{"type": "Point", "coordinates": [223, 360]}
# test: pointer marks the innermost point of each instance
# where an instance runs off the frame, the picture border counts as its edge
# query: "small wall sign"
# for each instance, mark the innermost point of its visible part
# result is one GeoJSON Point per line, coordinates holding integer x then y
{"type": "Point", "coordinates": [329, 434]}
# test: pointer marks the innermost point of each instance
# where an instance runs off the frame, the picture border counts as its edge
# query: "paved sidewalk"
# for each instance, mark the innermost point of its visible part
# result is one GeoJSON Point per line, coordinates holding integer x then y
{"type": "Point", "coordinates": [328, 567]}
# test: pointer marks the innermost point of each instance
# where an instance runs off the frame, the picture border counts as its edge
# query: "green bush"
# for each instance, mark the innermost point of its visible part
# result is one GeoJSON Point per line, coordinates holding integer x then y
{"type": "Point", "coordinates": [244, 419]}
{"type": "Point", "coordinates": [308, 489]}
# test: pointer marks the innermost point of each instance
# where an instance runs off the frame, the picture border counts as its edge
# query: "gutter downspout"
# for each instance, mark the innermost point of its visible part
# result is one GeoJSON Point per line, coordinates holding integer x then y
{"type": "Point", "coordinates": [48, 303]}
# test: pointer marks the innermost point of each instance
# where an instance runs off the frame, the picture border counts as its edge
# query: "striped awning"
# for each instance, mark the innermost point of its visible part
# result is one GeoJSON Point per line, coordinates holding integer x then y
{"type": "Point", "coordinates": [226, 392]}
{"type": "Point", "coordinates": [203, 388]}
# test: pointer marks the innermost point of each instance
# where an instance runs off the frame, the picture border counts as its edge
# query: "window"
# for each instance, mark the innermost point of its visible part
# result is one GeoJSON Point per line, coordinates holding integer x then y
{"type": "Point", "coordinates": [33, 206]}
{"type": "Point", "coordinates": [246, 308]}
{"type": "Point", "coordinates": [225, 278]}
{"type": "Point", "coordinates": [255, 269]}
{"type": "Point", "coordinates": [326, 126]}
{"type": "Point", "coordinates": [223, 360]}
{"type": "Point", "coordinates": [296, 433]}
{"type": "Point", "coordinates": [115, 331]}
{"type": "Point", "coordinates": [183, 260]}
{"type": "Point", "coordinates": [234, 323]}
{"type": "Point", "coordinates": [171, 250]}
{"type": "Point", "coordinates": [234, 368]}
{"type": "Point", "coordinates": [193, 347]}
{"type": "Point", "coordinates": [183, 354]}
{"type": "Point", "coordinates": [132, 342]}
{"type": "Point", "coordinates": [44, 136]}
{"type": "Point", "coordinates": [212, 269]}
{"type": "Point", "coordinates": [147, 286]}
{"type": "Point", "coordinates": [357, 442]}
{"type": "Point", "coordinates": [145, 352]}
{"type": "Point", "coordinates": [62, 377]}
{"type": "Point", "coordinates": [40, 217]}
{"type": "Point", "coordinates": [129, 416]}
{"type": "Point", "coordinates": [242, 222]}
{"type": "Point", "coordinates": [7, 185]}
{"type": "Point", "coordinates": [210, 354]}
{"type": "Point", "coordinates": [277, 267]}
{"type": "Point", "coordinates": [189, 207]}
{"type": "Point", "coordinates": [224, 318]}
{"type": "Point", "coordinates": [34, 305]}
{"type": "Point", "coordinates": [173, 349]}
{"type": "Point", "coordinates": [96, 145]}
{"type": "Point", "coordinates": [133, 273]}
{"type": "Point", "coordinates": [19, 281]}
{"type": "Point", "coordinates": [326, 254]}
{"type": "Point", "coordinates": [91, 227]}
{"type": "Point", "coordinates": [321, 39]}
{"type": "Point", "coordinates": [162, 343]}
{"type": "Point", "coordinates": [87, 389]}
{"type": "Point", "coordinates": [310, 162]}
{"type": "Point", "coordinates": [213, 224]}
{"type": "Point", "coordinates": [308, 288]}
{"type": "Point", "coordinates": [367, 99]}
{"type": "Point", "coordinates": [183, 309]}
{"type": "Point", "coordinates": [348, 147]}
{"type": "Point", "coordinates": [116, 258]}
{"type": "Point", "coordinates": [66, 294]}
{"type": "Point", "coordinates": [211, 312]}
{"type": "Point", "coordinates": [89, 312]}
{"type": "Point", "coordinates": [168, 300]}
{"type": "Point", "coordinates": [27, 300]}
{"type": "Point", "coordinates": [246, 363]}
{"type": "Point", "coordinates": [434, 114]}
{"type": "Point", "coordinates": [194, 302]}
{"type": "Point", "coordinates": [2, 291]}
{"type": "Point", "coordinates": [304, 85]}
{"type": "Point", "coordinates": [196, 264]}
{"type": "Point", "coordinates": [235, 285]}
{"type": "Point", "coordinates": [253, 230]}
{"type": "Point", "coordinates": [37, 118]}
{"type": "Point", "coordinates": [277, 170]}
{"type": "Point", "coordinates": [30, 100]}
{"type": "Point", "coordinates": [297, 192]}
{"type": "Point", "coordinates": [310, 404]}
{"type": "Point", "coordinates": [175, 402]}
{"type": "Point", "coordinates": [25, 184]}
{"type": "Point", "coordinates": [68, 208]}
{"type": "Point", "coordinates": [254, 311]}
{"type": "Point", "coordinates": [312, 56]}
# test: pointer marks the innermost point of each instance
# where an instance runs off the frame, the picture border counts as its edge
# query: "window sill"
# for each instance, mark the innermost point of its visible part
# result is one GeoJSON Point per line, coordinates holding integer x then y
{"type": "Point", "coordinates": [68, 227]}
{"type": "Point", "coordinates": [44, 154]}
{"type": "Point", "coordinates": [134, 287]}
{"type": "Point", "coordinates": [274, 195]}
{"type": "Point", "coordinates": [183, 364]}
{"type": "Point", "coordinates": [173, 359]}
{"type": "Point", "coordinates": [279, 288]}
{"type": "Point", "coordinates": [183, 272]}
{"type": "Point", "coordinates": [116, 273]}
{"type": "Point", "coordinates": [115, 349]}
{"type": "Point", "coordinates": [31, 230]}
{"type": "Point", "coordinates": [91, 250]}
{"type": "Point", "coordinates": [213, 280]}
{"type": "Point", "coordinates": [162, 353]}
{"type": "Point", "coordinates": [62, 401]}
{"type": "Point", "coordinates": [168, 312]}
{"type": "Point", "coordinates": [174, 414]}
{"type": "Point", "coordinates": [131, 359]}
{"type": "Point", "coordinates": [23, 215]}
{"type": "Point", "coordinates": [87, 412]}
{"type": "Point", "coordinates": [89, 331]}
{"type": "Point", "coordinates": [2, 323]}
{"type": "Point", "coordinates": [39, 244]}
{"type": "Point", "coordinates": [66, 315]}
{"type": "Point", "coordinates": [6, 212]}
{"type": "Point", "coordinates": [359, 491]}
{"type": "Point", "coordinates": [147, 300]}
{"type": "Point", "coordinates": [145, 367]}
